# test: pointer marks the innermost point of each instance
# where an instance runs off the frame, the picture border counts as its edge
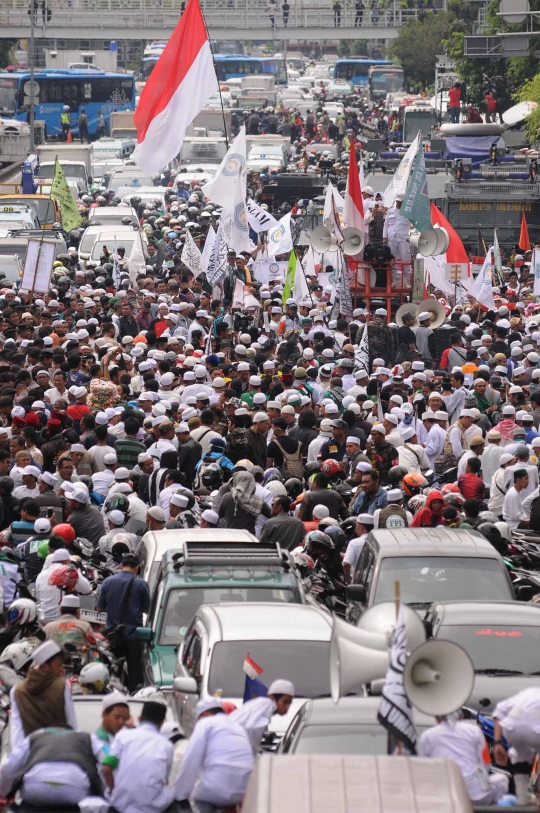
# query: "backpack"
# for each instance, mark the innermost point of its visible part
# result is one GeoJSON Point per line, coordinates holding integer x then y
{"type": "Point", "coordinates": [293, 465]}
{"type": "Point", "coordinates": [535, 515]}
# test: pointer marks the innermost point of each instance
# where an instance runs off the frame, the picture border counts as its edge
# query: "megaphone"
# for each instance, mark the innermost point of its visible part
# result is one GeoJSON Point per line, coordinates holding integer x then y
{"type": "Point", "coordinates": [443, 240]}
{"type": "Point", "coordinates": [426, 242]}
{"type": "Point", "coordinates": [438, 678]}
{"type": "Point", "coordinates": [381, 619]}
{"type": "Point", "coordinates": [356, 657]}
{"type": "Point", "coordinates": [353, 241]}
{"type": "Point", "coordinates": [403, 309]}
{"type": "Point", "coordinates": [323, 240]}
{"type": "Point", "coordinates": [434, 307]}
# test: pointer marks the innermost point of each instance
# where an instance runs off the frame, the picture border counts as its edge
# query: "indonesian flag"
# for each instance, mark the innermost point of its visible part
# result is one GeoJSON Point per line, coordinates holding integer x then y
{"type": "Point", "coordinates": [252, 669]}
{"type": "Point", "coordinates": [177, 90]}
{"type": "Point", "coordinates": [455, 253]}
{"type": "Point", "coordinates": [353, 211]}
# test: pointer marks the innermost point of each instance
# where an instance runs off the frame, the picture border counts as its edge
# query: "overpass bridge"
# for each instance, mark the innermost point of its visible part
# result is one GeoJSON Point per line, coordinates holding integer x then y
{"type": "Point", "coordinates": [309, 20]}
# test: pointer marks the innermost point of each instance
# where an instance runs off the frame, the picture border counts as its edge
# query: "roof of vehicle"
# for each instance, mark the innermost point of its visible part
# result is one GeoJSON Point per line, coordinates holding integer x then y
{"type": "Point", "coordinates": [351, 711]}
{"type": "Point", "coordinates": [266, 621]}
{"type": "Point", "coordinates": [309, 783]}
{"type": "Point", "coordinates": [432, 542]}
{"type": "Point", "coordinates": [487, 612]}
{"type": "Point", "coordinates": [173, 539]}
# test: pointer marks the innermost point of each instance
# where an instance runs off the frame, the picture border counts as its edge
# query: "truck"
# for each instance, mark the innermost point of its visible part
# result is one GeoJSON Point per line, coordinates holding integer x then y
{"type": "Point", "coordinates": [82, 60]}
{"type": "Point", "coordinates": [75, 159]}
{"type": "Point", "coordinates": [123, 125]}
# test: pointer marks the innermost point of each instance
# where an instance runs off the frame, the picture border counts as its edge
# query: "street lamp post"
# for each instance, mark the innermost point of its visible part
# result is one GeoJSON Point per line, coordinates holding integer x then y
{"type": "Point", "coordinates": [31, 58]}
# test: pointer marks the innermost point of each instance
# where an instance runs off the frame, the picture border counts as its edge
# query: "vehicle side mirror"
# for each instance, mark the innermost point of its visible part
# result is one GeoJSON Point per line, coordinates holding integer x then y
{"type": "Point", "coordinates": [356, 592]}
{"type": "Point", "coordinates": [145, 634]}
{"type": "Point", "coordinates": [525, 592]}
{"type": "Point", "coordinates": [186, 685]}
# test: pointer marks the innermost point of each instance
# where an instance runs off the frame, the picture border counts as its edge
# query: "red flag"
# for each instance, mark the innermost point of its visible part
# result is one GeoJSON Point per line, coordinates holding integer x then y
{"type": "Point", "coordinates": [353, 210]}
{"type": "Point", "coordinates": [524, 242]}
{"type": "Point", "coordinates": [180, 84]}
{"type": "Point", "coordinates": [455, 252]}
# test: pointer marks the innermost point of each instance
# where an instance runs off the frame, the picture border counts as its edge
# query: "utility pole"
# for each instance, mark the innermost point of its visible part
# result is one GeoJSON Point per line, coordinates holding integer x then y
{"type": "Point", "coordinates": [31, 55]}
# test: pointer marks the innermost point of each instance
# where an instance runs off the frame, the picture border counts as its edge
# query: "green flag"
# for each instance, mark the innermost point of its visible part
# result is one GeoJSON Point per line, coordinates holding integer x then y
{"type": "Point", "coordinates": [61, 192]}
{"type": "Point", "coordinates": [415, 206]}
{"type": "Point", "coordinates": [289, 279]}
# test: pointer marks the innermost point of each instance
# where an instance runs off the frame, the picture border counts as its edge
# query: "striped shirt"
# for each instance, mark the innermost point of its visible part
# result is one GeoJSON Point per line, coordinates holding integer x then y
{"type": "Point", "coordinates": [128, 451]}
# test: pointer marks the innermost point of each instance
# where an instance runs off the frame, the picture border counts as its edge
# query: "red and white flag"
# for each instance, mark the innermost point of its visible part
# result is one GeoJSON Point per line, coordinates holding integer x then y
{"type": "Point", "coordinates": [178, 88]}
{"type": "Point", "coordinates": [353, 211]}
{"type": "Point", "coordinates": [252, 669]}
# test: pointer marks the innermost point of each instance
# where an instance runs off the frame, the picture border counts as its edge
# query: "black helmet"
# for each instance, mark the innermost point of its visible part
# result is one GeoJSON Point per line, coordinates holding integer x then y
{"type": "Point", "coordinates": [211, 477]}
{"type": "Point", "coordinates": [337, 536]}
{"type": "Point", "coordinates": [313, 467]}
{"type": "Point", "coordinates": [493, 535]}
{"type": "Point", "coordinates": [318, 545]}
{"type": "Point", "coordinates": [396, 475]}
{"type": "Point", "coordinates": [294, 487]}
{"type": "Point", "coordinates": [348, 526]}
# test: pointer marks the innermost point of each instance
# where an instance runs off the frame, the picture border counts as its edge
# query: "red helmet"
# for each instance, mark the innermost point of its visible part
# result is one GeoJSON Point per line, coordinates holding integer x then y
{"type": "Point", "coordinates": [65, 577]}
{"type": "Point", "coordinates": [330, 468]}
{"type": "Point", "coordinates": [66, 532]}
{"type": "Point", "coordinates": [450, 488]}
{"type": "Point", "coordinates": [413, 484]}
{"type": "Point", "coordinates": [228, 706]}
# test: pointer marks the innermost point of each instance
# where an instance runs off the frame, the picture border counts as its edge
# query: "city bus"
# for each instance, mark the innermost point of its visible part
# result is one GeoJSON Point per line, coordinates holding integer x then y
{"type": "Point", "coordinates": [92, 90]}
{"type": "Point", "coordinates": [356, 70]}
{"type": "Point", "coordinates": [384, 79]}
{"type": "Point", "coordinates": [231, 66]}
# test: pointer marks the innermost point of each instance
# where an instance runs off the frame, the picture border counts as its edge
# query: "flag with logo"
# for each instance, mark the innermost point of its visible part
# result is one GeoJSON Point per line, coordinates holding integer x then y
{"type": "Point", "coordinates": [416, 204]}
{"type": "Point", "coordinates": [279, 239]}
{"type": "Point", "coordinates": [61, 192]}
{"type": "Point", "coordinates": [239, 222]}
{"type": "Point", "coordinates": [361, 352]}
{"type": "Point", "coordinates": [253, 686]}
{"type": "Point", "coordinates": [482, 287]}
{"type": "Point", "coordinates": [289, 279]}
{"type": "Point", "coordinates": [395, 712]}
{"type": "Point", "coordinates": [191, 256]}
{"type": "Point", "coordinates": [258, 218]}
{"type": "Point", "coordinates": [398, 184]}
{"type": "Point", "coordinates": [497, 257]}
{"type": "Point", "coordinates": [221, 189]}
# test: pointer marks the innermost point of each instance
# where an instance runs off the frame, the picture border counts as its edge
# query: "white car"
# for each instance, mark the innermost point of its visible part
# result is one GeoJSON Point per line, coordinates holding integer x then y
{"type": "Point", "coordinates": [119, 236]}
{"type": "Point", "coordinates": [112, 216]}
{"type": "Point", "coordinates": [289, 641]}
{"type": "Point", "coordinates": [92, 233]}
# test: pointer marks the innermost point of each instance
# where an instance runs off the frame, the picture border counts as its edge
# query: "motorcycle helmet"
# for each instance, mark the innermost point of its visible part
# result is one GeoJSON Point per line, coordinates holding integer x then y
{"type": "Point", "coordinates": [276, 488]}
{"type": "Point", "coordinates": [294, 487]}
{"type": "Point", "coordinates": [311, 468]}
{"type": "Point", "coordinates": [94, 678]}
{"type": "Point", "coordinates": [348, 526]}
{"type": "Point", "coordinates": [318, 545]}
{"type": "Point", "coordinates": [337, 535]}
{"type": "Point", "coordinates": [21, 611]}
{"type": "Point", "coordinates": [331, 468]}
{"type": "Point", "coordinates": [413, 484]}
{"type": "Point", "coordinates": [504, 530]}
{"type": "Point", "coordinates": [120, 545]}
{"type": "Point", "coordinates": [493, 535]}
{"type": "Point", "coordinates": [245, 464]}
{"type": "Point", "coordinates": [396, 475]}
{"type": "Point", "coordinates": [488, 516]}
{"type": "Point", "coordinates": [416, 503]}
{"type": "Point", "coordinates": [270, 475]}
{"type": "Point", "coordinates": [456, 500]}
{"type": "Point", "coordinates": [65, 577]}
{"type": "Point", "coordinates": [303, 561]}
{"type": "Point", "coordinates": [211, 477]}
{"type": "Point", "coordinates": [18, 655]}
{"type": "Point", "coordinates": [65, 531]}
{"type": "Point", "coordinates": [450, 488]}
{"type": "Point", "coordinates": [9, 555]}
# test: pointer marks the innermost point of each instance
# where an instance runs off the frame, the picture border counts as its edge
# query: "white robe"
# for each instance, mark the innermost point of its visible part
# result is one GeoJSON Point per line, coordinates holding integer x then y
{"type": "Point", "coordinates": [254, 717]}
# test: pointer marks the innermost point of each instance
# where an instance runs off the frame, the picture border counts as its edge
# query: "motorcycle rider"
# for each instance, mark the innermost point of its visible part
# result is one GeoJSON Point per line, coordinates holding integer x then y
{"type": "Point", "coordinates": [69, 628]}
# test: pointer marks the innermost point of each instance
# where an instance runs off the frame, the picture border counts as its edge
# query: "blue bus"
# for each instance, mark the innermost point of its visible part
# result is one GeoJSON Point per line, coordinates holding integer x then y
{"type": "Point", "coordinates": [92, 90]}
{"type": "Point", "coordinates": [231, 66]}
{"type": "Point", "coordinates": [356, 70]}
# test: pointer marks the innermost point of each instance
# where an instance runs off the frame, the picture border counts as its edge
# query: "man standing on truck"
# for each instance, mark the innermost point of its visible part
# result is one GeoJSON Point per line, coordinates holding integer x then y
{"type": "Point", "coordinates": [83, 126]}
{"type": "Point", "coordinates": [65, 122]}
{"type": "Point", "coordinates": [454, 103]}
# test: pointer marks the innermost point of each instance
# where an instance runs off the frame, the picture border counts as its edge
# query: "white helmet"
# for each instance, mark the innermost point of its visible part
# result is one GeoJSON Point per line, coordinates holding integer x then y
{"type": "Point", "coordinates": [277, 488]}
{"type": "Point", "coordinates": [504, 530]}
{"type": "Point", "coordinates": [17, 655]}
{"type": "Point", "coordinates": [94, 678]}
{"type": "Point", "coordinates": [22, 611]}
{"type": "Point", "coordinates": [417, 502]}
{"type": "Point", "coordinates": [150, 694]}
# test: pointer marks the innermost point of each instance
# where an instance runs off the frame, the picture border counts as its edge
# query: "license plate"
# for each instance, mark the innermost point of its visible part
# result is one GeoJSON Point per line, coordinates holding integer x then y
{"type": "Point", "coordinates": [93, 617]}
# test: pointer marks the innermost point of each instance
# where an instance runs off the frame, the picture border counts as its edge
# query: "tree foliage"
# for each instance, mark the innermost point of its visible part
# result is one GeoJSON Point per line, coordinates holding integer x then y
{"type": "Point", "coordinates": [530, 92]}
{"type": "Point", "coordinates": [5, 52]}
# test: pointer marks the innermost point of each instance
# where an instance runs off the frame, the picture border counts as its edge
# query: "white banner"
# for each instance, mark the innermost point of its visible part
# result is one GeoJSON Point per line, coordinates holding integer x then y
{"type": "Point", "coordinates": [238, 296]}
{"type": "Point", "coordinates": [258, 218]}
{"type": "Point", "coordinates": [233, 167]}
{"type": "Point", "coordinates": [279, 238]}
{"type": "Point", "coordinates": [398, 184]}
{"type": "Point", "coordinates": [240, 231]}
{"type": "Point", "coordinates": [482, 289]}
{"type": "Point", "coordinates": [536, 269]}
{"type": "Point", "coordinates": [191, 256]}
{"type": "Point", "coordinates": [208, 246]}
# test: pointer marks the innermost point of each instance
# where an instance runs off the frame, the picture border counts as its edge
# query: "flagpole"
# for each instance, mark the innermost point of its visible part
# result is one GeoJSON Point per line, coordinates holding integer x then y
{"type": "Point", "coordinates": [219, 86]}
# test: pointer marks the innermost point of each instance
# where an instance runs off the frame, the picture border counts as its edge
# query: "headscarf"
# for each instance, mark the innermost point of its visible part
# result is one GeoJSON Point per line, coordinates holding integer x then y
{"type": "Point", "coordinates": [243, 493]}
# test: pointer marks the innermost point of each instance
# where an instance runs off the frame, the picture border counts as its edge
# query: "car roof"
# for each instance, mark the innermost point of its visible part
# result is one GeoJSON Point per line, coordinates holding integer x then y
{"type": "Point", "coordinates": [488, 612]}
{"type": "Point", "coordinates": [352, 711]}
{"type": "Point", "coordinates": [432, 542]}
{"type": "Point", "coordinates": [266, 621]}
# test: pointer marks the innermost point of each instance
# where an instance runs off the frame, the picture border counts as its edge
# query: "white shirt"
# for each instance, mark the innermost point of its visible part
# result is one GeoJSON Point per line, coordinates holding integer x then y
{"type": "Point", "coordinates": [532, 471]}
{"type": "Point", "coordinates": [192, 390]}
{"type": "Point", "coordinates": [22, 492]}
{"type": "Point", "coordinates": [97, 454]}
{"type": "Point", "coordinates": [315, 446]}
{"type": "Point", "coordinates": [102, 481]}
{"type": "Point", "coordinates": [354, 549]}
{"type": "Point", "coordinates": [454, 436]}
{"type": "Point", "coordinates": [217, 764]}
{"type": "Point", "coordinates": [205, 435]}
{"type": "Point", "coordinates": [16, 475]}
{"type": "Point", "coordinates": [49, 596]}
{"type": "Point", "coordinates": [160, 446]}
{"type": "Point", "coordinates": [522, 709]}
{"type": "Point", "coordinates": [463, 460]}
{"type": "Point", "coordinates": [435, 443]}
{"type": "Point", "coordinates": [491, 461]}
{"type": "Point", "coordinates": [513, 512]}
{"type": "Point", "coordinates": [254, 717]}
{"type": "Point", "coordinates": [164, 498]}
{"type": "Point", "coordinates": [9, 577]}
{"type": "Point", "coordinates": [140, 781]}
{"type": "Point", "coordinates": [17, 734]}
{"type": "Point", "coordinates": [497, 492]}
{"type": "Point", "coordinates": [414, 463]}
{"type": "Point", "coordinates": [53, 395]}
{"type": "Point", "coordinates": [394, 437]}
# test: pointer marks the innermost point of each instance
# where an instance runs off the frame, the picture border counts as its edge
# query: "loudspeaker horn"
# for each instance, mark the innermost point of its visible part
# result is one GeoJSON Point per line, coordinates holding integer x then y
{"type": "Point", "coordinates": [406, 308]}
{"type": "Point", "coordinates": [434, 307]}
{"type": "Point", "coordinates": [443, 240]}
{"type": "Point", "coordinates": [425, 242]}
{"type": "Point", "coordinates": [381, 619]}
{"type": "Point", "coordinates": [438, 678]}
{"type": "Point", "coordinates": [353, 241]}
{"type": "Point", "coordinates": [356, 657]}
{"type": "Point", "coordinates": [323, 240]}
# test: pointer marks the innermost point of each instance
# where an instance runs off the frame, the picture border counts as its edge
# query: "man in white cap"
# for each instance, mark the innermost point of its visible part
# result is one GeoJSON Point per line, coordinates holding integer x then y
{"type": "Point", "coordinates": [209, 519]}
{"type": "Point", "coordinates": [218, 761]}
{"type": "Point", "coordinates": [43, 699]}
{"type": "Point", "coordinates": [48, 594]}
{"type": "Point", "coordinates": [115, 715]}
{"type": "Point", "coordinates": [29, 488]}
{"type": "Point", "coordinates": [396, 233]}
{"type": "Point", "coordinates": [86, 520]}
{"type": "Point", "coordinates": [255, 715]}
{"type": "Point", "coordinates": [412, 456]}
{"type": "Point", "coordinates": [364, 524]}
{"type": "Point", "coordinates": [425, 338]}
{"type": "Point", "coordinates": [116, 520]}
{"type": "Point", "coordinates": [69, 628]}
{"type": "Point", "coordinates": [394, 516]}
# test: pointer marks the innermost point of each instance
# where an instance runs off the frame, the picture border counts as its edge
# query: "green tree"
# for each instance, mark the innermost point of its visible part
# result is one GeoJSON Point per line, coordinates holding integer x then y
{"type": "Point", "coordinates": [530, 92]}
{"type": "Point", "coordinates": [417, 45]}
{"type": "Point", "coordinates": [5, 52]}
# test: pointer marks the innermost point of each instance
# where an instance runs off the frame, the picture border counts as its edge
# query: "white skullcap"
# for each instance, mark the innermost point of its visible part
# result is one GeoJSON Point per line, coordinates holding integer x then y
{"type": "Point", "coordinates": [210, 516]}
{"type": "Point", "coordinates": [408, 433]}
{"type": "Point", "coordinates": [281, 687]}
{"type": "Point", "coordinates": [45, 652]}
{"type": "Point", "coordinates": [394, 495]}
{"type": "Point", "coordinates": [321, 512]}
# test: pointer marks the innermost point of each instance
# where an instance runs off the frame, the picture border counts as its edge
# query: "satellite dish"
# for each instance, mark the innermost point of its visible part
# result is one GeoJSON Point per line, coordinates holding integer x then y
{"type": "Point", "coordinates": [323, 240]}
{"type": "Point", "coordinates": [518, 113]}
{"type": "Point", "coordinates": [353, 241]}
{"type": "Point", "coordinates": [514, 11]}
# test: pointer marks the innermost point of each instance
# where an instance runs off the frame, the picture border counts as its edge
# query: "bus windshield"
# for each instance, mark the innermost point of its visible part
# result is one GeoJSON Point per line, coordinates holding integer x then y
{"type": "Point", "coordinates": [8, 92]}
{"type": "Point", "coordinates": [356, 70]}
